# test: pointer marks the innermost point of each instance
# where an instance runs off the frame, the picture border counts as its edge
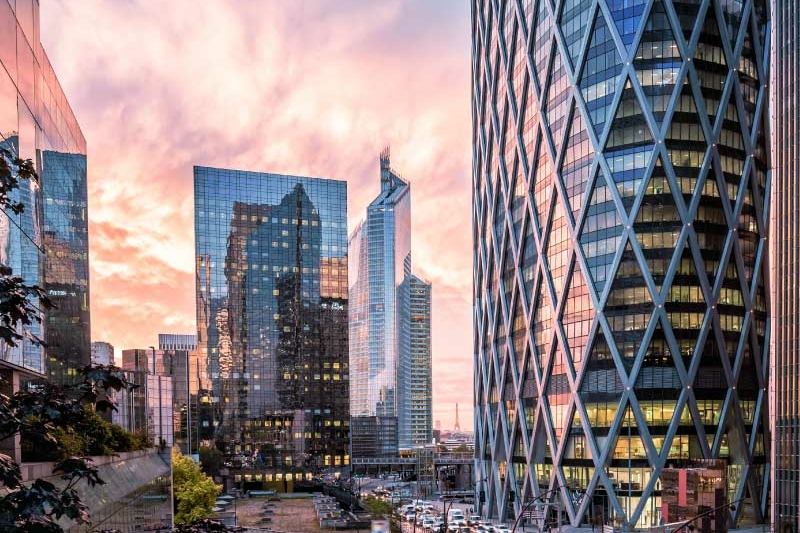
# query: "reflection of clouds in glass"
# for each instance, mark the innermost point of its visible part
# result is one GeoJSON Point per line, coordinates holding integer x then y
{"type": "Point", "coordinates": [5, 237]}
{"type": "Point", "coordinates": [278, 356]}
{"type": "Point", "coordinates": [146, 278]}
{"type": "Point", "coordinates": [224, 344]}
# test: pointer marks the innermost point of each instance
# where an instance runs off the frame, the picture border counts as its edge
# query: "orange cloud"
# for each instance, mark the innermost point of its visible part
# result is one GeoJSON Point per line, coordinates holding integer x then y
{"type": "Point", "coordinates": [308, 88]}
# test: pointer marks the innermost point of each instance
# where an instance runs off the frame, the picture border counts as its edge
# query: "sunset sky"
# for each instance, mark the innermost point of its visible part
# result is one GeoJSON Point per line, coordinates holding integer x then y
{"type": "Point", "coordinates": [292, 87]}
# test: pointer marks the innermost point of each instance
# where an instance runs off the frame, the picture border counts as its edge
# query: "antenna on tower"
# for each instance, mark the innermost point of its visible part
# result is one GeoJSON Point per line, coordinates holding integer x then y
{"type": "Point", "coordinates": [385, 156]}
{"type": "Point", "coordinates": [458, 426]}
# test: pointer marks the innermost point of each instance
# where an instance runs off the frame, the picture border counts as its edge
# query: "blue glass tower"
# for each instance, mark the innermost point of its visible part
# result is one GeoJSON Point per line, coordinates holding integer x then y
{"type": "Point", "coordinates": [47, 245]}
{"type": "Point", "coordinates": [272, 323]}
{"type": "Point", "coordinates": [381, 245]}
{"type": "Point", "coordinates": [620, 186]}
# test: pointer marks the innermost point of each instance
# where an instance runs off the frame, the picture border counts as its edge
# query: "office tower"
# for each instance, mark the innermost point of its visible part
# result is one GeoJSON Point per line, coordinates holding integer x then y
{"type": "Point", "coordinates": [160, 413]}
{"type": "Point", "coordinates": [785, 236]}
{"type": "Point", "coordinates": [147, 409]}
{"type": "Point", "coordinates": [139, 360]}
{"type": "Point", "coordinates": [619, 221]}
{"type": "Point", "coordinates": [46, 244]}
{"type": "Point", "coordinates": [271, 254]}
{"type": "Point", "coordinates": [176, 353]}
{"type": "Point", "coordinates": [102, 353]}
{"type": "Point", "coordinates": [66, 267]}
{"type": "Point", "coordinates": [414, 391]}
{"type": "Point", "coordinates": [177, 341]}
{"type": "Point", "coordinates": [381, 245]}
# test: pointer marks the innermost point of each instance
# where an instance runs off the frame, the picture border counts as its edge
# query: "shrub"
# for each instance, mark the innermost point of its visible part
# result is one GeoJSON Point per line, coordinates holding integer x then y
{"type": "Point", "coordinates": [92, 435]}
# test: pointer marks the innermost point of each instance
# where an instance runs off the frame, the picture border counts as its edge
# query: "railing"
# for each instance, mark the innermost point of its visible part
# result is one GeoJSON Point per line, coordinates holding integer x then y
{"type": "Point", "coordinates": [448, 458]}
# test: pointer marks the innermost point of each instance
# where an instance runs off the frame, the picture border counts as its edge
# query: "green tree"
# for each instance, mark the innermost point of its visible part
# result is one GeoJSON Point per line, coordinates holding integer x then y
{"type": "Point", "coordinates": [210, 459]}
{"type": "Point", "coordinates": [376, 506]}
{"type": "Point", "coordinates": [195, 492]}
{"type": "Point", "coordinates": [43, 413]}
{"type": "Point", "coordinates": [37, 507]}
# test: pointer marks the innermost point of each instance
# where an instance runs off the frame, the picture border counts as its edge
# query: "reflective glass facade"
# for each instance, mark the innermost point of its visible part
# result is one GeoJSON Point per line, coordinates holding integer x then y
{"type": "Point", "coordinates": [415, 393]}
{"type": "Point", "coordinates": [271, 259]}
{"type": "Point", "coordinates": [47, 244]}
{"type": "Point", "coordinates": [175, 352]}
{"type": "Point", "coordinates": [381, 245]}
{"type": "Point", "coordinates": [66, 243]}
{"type": "Point", "coordinates": [102, 353]}
{"type": "Point", "coordinates": [620, 183]}
{"type": "Point", "coordinates": [785, 246]}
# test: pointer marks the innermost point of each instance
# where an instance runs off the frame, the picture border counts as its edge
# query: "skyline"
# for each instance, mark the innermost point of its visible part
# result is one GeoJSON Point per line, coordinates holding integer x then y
{"type": "Point", "coordinates": [142, 145]}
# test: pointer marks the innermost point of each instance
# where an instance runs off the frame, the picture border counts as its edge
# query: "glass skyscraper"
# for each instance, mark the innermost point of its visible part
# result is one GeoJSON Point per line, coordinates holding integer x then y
{"type": "Point", "coordinates": [271, 259]}
{"type": "Point", "coordinates": [415, 390]}
{"type": "Point", "coordinates": [785, 247]}
{"type": "Point", "coordinates": [381, 245]}
{"type": "Point", "coordinates": [620, 183]}
{"type": "Point", "coordinates": [46, 245]}
{"type": "Point", "coordinates": [66, 280]}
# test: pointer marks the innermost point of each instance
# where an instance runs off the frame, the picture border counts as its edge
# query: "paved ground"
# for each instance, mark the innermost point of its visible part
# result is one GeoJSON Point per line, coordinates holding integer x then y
{"type": "Point", "coordinates": [295, 515]}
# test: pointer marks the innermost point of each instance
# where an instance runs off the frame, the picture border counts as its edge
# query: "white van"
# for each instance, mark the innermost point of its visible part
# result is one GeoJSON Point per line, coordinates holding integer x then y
{"type": "Point", "coordinates": [454, 515]}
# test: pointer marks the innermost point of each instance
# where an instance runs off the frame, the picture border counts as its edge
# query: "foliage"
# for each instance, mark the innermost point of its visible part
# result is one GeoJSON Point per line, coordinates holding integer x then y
{"type": "Point", "coordinates": [376, 506]}
{"type": "Point", "coordinates": [13, 170]}
{"type": "Point", "coordinates": [91, 435]}
{"type": "Point", "coordinates": [45, 412]}
{"type": "Point", "coordinates": [210, 459]}
{"type": "Point", "coordinates": [18, 302]}
{"type": "Point", "coordinates": [204, 526]}
{"type": "Point", "coordinates": [41, 411]}
{"type": "Point", "coordinates": [195, 492]}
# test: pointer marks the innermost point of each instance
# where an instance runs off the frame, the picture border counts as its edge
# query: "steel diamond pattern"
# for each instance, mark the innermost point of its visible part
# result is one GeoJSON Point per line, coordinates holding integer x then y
{"type": "Point", "coordinates": [620, 181]}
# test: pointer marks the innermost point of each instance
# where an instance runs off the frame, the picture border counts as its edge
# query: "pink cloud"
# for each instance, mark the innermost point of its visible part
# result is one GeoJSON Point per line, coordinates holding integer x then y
{"type": "Point", "coordinates": [309, 88]}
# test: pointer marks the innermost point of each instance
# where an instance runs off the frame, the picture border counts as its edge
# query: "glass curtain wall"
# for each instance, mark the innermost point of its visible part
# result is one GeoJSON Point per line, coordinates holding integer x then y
{"type": "Point", "coordinates": [620, 184]}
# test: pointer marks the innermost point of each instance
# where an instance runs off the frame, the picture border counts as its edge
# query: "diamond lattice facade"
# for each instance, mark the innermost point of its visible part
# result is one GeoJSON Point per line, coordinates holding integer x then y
{"type": "Point", "coordinates": [620, 184]}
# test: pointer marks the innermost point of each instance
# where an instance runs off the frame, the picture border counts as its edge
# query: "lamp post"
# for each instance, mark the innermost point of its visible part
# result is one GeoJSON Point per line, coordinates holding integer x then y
{"type": "Point", "coordinates": [445, 509]}
{"type": "Point", "coordinates": [481, 494]}
{"type": "Point", "coordinates": [539, 499]}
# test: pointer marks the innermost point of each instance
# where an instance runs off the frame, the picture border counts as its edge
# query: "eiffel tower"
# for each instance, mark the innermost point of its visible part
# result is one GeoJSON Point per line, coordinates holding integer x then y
{"type": "Point", "coordinates": [457, 427]}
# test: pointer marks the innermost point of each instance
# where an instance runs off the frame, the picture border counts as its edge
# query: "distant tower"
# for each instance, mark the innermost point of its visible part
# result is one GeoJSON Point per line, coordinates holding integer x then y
{"type": "Point", "coordinates": [457, 426]}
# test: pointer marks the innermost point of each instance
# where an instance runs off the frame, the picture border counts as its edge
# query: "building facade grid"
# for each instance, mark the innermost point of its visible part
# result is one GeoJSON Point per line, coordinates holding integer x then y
{"type": "Point", "coordinates": [785, 264]}
{"type": "Point", "coordinates": [271, 367]}
{"type": "Point", "coordinates": [381, 245]}
{"type": "Point", "coordinates": [47, 244]}
{"type": "Point", "coordinates": [620, 186]}
{"type": "Point", "coordinates": [414, 374]}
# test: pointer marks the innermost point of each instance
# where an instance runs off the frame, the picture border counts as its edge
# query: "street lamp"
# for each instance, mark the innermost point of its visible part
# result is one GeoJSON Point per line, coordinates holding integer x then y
{"type": "Point", "coordinates": [544, 498]}
{"type": "Point", "coordinates": [445, 509]}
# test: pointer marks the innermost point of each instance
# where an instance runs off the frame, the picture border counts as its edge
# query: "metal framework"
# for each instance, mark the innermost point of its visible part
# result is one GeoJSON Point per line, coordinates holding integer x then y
{"type": "Point", "coordinates": [620, 186]}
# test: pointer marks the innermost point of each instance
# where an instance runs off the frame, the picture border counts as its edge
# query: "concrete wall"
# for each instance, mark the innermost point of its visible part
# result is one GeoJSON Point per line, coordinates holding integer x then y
{"type": "Point", "coordinates": [126, 500]}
